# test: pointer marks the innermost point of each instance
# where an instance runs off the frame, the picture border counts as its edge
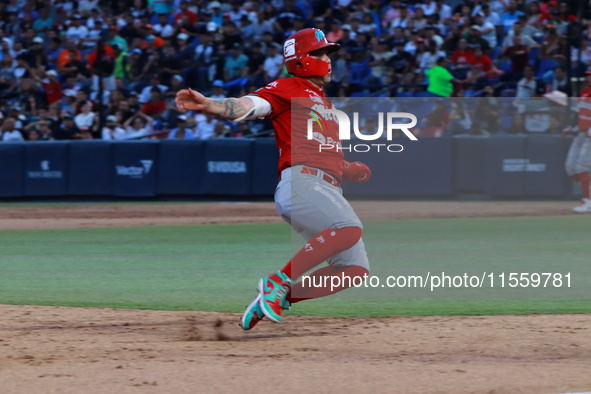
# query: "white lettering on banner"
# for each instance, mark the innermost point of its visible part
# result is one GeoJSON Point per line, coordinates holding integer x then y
{"type": "Point", "coordinates": [226, 167]}
{"type": "Point", "coordinates": [522, 165]}
{"type": "Point", "coordinates": [147, 164]}
{"type": "Point", "coordinates": [45, 172]}
{"type": "Point", "coordinates": [135, 172]}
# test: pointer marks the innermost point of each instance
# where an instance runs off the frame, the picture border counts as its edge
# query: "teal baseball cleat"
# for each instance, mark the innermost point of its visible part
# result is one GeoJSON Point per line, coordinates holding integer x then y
{"type": "Point", "coordinates": [273, 290]}
{"type": "Point", "coordinates": [252, 315]}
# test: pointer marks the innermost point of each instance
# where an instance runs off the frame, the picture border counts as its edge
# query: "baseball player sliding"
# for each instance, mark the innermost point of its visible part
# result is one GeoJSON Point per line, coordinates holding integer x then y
{"type": "Point", "coordinates": [578, 160]}
{"type": "Point", "coordinates": [308, 195]}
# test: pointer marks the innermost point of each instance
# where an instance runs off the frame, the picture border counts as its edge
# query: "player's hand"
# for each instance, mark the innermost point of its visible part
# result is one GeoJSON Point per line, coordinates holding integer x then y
{"type": "Point", "coordinates": [566, 131]}
{"type": "Point", "coordinates": [356, 172]}
{"type": "Point", "coordinates": [190, 100]}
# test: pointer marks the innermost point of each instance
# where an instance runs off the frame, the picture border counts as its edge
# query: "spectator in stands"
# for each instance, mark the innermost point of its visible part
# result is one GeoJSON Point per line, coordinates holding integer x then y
{"type": "Point", "coordinates": [112, 130]}
{"type": "Point", "coordinates": [156, 106]}
{"type": "Point", "coordinates": [7, 76]}
{"type": "Point", "coordinates": [45, 132]}
{"type": "Point", "coordinates": [336, 32]}
{"type": "Point", "coordinates": [475, 40]}
{"type": "Point", "coordinates": [273, 65]}
{"type": "Point", "coordinates": [419, 20]}
{"type": "Point", "coordinates": [181, 132]}
{"type": "Point", "coordinates": [462, 59]}
{"type": "Point", "coordinates": [220, 130]}
{"type": "Point", "coordinates": [116, 39]}
{"type": "Point", "coordinates": [452, 40]}
{"type": "Point", "coordinates": [518, 53]}
{"type": "Point", "coordinates": [86, 119]}
{"type": "Point", "coordinates": [429, 59]}
{"type": "Point", "coordinates": [139, 125]}
{"type": "Point", "coordinates": [402, 20]}
{"type": "Point", "coordinates": [169, 66]}
{"type": "Point", "coordinates": [218, 90]}
{"type": "Point", "coordinates": [163, 28]}
{"type": "Point", "coordinates": [443, 10]}
{"type": "Point", "coordinates": [518, 31]}
{"type": "Point", "coordinates": [76, 31]}
{"type": "Point", "coordinates": [487, 30]}
{"type": "Point", "coordinates": [557, 80]}
{"type": "Point", "coordinates": [482, 67]}
{"type": "Point", "coordinates": [510, 16]}
{"type": "Point", "coordinates": [74, 67]}
{"type": "Point", "coordinates": [527, 86]}
{"type": "Point", "coordinates": [378, 62]}
{"type": "Point", "coordinates": [431, 33]}
{"type": "Point", "coordinates": [400, 65]}
{"type": "Point", "coordinates": [581, 65]}
{"type": "Point", "coordinates": [51, 86]}
{"type": "Point", "coordinates": [550, 45]}
{"type": "Point", "coordinates": [145, 96]}
{"type": "Point", "coordinates": [440, 80]}
{"type": "Point", "coordinates": [236, 62]}
{"type": "Point", "coordinates": [206, 127]}
{"type": "Point", "coordinates": [67, 130]}
{"type": "Point", "coordinates": [256, 61]}
{"type": "Point", "coordinates": [9, 132]}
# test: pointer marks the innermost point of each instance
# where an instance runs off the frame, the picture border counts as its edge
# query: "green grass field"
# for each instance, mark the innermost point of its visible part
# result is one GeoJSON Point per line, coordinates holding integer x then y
{"type": "Point", "coordinates": [216, 267]}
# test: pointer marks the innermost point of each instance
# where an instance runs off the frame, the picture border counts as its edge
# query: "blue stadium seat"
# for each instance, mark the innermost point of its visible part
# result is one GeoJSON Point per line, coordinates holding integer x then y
{"type": "Point", "coordinates": [359, 73]}
{"type": "Point", "coordinates": [360, 94]}
{"type": "Point", "coordinates": [495, 53]}
{"type": "Point", "coordinates": [423, 93]}
{"type": "Point", "coordinates": [505, 66]}
{"type": "Point", "coordinates": [404, 94]}
{"type": "Point", "coordinates": [533, 56]}
{"type": "Point", "coordinates": [545, 65]}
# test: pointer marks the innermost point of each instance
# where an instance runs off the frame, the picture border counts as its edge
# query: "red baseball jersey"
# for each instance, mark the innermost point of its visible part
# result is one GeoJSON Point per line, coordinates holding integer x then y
{"type": "Point", "coordinates": [585, 110]}
{"type": "Point", "coordinates": [291, 125]}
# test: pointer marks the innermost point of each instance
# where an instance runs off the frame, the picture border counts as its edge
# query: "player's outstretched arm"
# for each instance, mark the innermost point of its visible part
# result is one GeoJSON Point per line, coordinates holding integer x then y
{"type": "Point", "coordinates": [233, 109]}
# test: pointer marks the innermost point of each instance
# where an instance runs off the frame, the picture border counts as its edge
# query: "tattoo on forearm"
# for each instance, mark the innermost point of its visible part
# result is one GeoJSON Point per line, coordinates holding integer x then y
{"type": "Point", "coordinates": [231, 108]}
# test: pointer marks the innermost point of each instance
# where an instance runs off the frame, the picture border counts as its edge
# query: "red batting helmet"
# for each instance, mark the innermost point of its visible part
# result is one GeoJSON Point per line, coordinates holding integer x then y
{"type": "Point", "coordinates": [299, 45]}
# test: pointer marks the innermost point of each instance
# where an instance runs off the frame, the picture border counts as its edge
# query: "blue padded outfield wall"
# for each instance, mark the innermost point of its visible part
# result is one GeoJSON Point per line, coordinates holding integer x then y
{"type": "Point", "coordinates": [496, 167]}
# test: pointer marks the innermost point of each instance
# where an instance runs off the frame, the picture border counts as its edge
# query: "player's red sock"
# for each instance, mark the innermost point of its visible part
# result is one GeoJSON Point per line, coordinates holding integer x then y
{"type": "Point", "coordinates": [323, 245]}
{"type": "Point", "coordinates": [306, 293]}
{"type": "Point", "coordinates": [584, 180]}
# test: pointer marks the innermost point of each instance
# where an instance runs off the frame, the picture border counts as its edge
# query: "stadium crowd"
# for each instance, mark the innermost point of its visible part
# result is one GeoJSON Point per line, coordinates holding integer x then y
{"type": "Point", "coordinates": [54, 54]}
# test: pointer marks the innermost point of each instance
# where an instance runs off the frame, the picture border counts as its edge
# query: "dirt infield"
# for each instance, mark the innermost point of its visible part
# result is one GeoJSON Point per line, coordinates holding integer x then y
{"type": "Point", "coordinates": [114, 215]}
{"type": "Point", "coordinates": [89, 350]}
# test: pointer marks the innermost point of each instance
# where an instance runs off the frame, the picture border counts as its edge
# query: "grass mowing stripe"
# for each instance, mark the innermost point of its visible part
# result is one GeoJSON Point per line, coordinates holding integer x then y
{"type": "Point", "coordinates": [216, 268]}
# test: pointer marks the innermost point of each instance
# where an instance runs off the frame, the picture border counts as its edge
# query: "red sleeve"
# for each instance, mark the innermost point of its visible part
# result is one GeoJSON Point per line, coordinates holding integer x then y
{"type": "Point", "coordinates": [277, 94]}
{"type": "Point", "coordinates": [91, 59]}
{"type": "Point", "coordinates": [145, 109]}
{"type": "Point", "coordinates": [454, 56]}
{"type": "Point", "coordinates": [486, 63]}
